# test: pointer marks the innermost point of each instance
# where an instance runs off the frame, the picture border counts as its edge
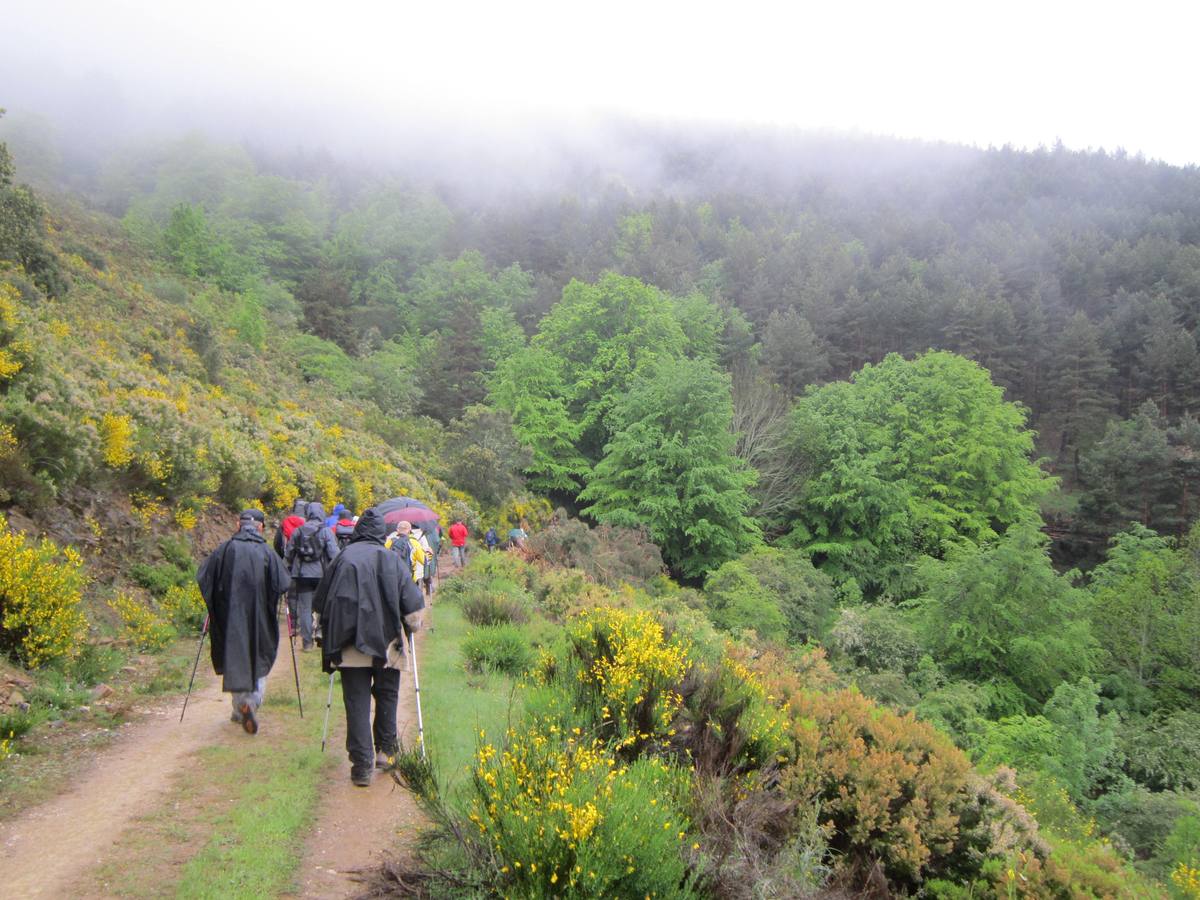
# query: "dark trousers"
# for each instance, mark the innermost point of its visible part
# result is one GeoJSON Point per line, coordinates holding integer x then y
{"type": "Point", "coordinates": [305, 589]}
{"type": "Point", "coordinates": [359, 685]}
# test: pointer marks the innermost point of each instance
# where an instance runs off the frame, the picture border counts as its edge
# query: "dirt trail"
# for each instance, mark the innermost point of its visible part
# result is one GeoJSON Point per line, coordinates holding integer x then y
{"type": "Point", "coordinates": [46, 848]}
{"type": "Point", "coordinates": [356, 826]}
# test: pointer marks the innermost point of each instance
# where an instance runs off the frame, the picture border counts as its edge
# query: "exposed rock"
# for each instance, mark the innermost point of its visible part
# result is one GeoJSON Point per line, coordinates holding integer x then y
{"type": "Point", "coordinates": [100, 691]}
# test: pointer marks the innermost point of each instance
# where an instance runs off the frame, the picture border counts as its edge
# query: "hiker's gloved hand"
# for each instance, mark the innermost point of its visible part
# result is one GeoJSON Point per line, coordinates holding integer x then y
{"type": "Point", "coordinates": [412, 622]}
{"type": "Point", "coordinates": [395, 654]}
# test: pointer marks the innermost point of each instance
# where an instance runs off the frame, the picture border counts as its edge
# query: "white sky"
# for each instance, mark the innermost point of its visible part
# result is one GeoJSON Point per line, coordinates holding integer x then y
{"type": "Point", "coordinates": [1093, 74]}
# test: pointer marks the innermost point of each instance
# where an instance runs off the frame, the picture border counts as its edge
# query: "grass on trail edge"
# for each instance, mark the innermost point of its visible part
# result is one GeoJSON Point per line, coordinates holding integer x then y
{"type": "Point", "coordinates": [456, 704]}
{"type": "Point", "coordinates": [272, 784]}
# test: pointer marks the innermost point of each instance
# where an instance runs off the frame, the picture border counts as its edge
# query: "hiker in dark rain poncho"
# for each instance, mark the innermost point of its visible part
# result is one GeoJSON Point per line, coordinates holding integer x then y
{"type": "Point", "coordinates": [241, 582]}
{"type": "Point", "coordinates": [367, 601]}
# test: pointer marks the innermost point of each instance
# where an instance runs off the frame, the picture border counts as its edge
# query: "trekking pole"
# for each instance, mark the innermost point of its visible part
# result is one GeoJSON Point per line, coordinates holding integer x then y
{"type": "Point", "coordinates": [295, 668]}
{"type": "Point", "coordinates": [195, 666]}
{"type": "Point", "coordinates": [328, 703]}
{"type": "Point", "coordinates": [412, 643]}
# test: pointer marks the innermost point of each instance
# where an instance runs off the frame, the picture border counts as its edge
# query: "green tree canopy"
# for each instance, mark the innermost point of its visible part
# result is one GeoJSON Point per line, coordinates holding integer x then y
{"type": "Point", "coordinates": [998, 614]}
{"type": "Point", "coordinates": [908, 456]}
{"type": "Point", "coordinates": [670, 466]}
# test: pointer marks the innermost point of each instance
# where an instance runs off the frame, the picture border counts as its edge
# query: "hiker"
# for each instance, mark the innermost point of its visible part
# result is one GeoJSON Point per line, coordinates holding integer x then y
{"type": "Point", "coordinates": [339, 512]}
{"type": "Point", "coordinates": [491, 539]}
{"type": "Point", "coordinates": [282, 533]}
{"type": "Point", "coordinates": [310, 549]}
{"type": "Point", "coordinates": [368, 602]}
{"type": "Point", "coordinates": [343, 528]}
{"type": "Point", "coordinates": [425, 579]}
{"type": "Point", "coordinates": [409, 548]}
{"type": "Point", "coordinates": [458, 542]}
{"type": "Point", "coordinates": [433, 536]}
{"type": "Point", "coordinates": [516, 537]}
{"type": "Point", "coordinates": [241, 582]}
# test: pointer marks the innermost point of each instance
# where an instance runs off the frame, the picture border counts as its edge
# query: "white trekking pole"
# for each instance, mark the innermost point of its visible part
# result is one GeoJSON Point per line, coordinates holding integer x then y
{"type": "Point", "coordinates": [328, 703]}
{"type": "Point", "coordinates": [417, 685]}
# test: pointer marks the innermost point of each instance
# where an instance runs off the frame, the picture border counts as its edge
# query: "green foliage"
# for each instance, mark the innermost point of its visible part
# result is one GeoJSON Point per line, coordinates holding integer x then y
{"type": "Point", "coordinates": [604, 334]}
{"type": "Point", "coordinates": [498, 648]}
{"type": "Point", "coordinates": [908, 457]}
{"type": "Point", "coordinates": [669, 467]}
{"type": "Point", "coordinates": [1000, 614]}
{"type": "Point", "coordinates": [498, 602]}
{"type": "Point", "coordinates": [484, 457]}
{"type": "Point", "coordinates": [876, 638]}
{"type": "Point", "coordinates": [1146, 617]}
{"type": "Point", "coordinates": [1070, 741]}
{"type": "Point", "coordinates": [1163, 751]}
{"type": "Point", "coordinates": [737, 601]}
{"type": "Point", "coordinates": [530, 386]}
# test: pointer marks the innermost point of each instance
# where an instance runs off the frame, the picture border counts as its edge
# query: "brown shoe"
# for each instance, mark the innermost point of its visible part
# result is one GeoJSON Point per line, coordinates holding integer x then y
{"type": "Point", "coordinates": [249, 723]}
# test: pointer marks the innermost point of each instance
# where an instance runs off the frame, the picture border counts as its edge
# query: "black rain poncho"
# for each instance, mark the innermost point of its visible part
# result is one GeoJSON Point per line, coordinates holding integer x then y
{"type": "Point", "coordinates": [241, 582]}
{"type": "Point", "coordinates": [364, 596]}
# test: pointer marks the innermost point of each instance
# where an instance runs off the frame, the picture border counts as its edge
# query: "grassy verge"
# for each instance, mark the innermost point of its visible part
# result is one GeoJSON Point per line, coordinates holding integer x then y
{"type": "Point", "coordinates": [236, 819]}
{"type": "Point", "coordinates": [457, 705]}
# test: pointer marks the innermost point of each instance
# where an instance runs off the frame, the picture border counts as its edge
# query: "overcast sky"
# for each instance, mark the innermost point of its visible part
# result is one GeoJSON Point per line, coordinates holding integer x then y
{"type": "Point", "coordinates": [1026, 73]}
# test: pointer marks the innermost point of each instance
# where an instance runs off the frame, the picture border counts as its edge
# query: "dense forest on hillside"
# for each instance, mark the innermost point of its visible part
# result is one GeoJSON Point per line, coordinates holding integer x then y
{"type": "Point", "coordinates": [929, 408]}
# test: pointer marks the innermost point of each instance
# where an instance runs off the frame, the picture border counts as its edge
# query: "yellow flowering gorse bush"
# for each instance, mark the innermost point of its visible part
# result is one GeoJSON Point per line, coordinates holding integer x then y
{"type": "Point", "coordinates": [41, 595]}
{"type": "Point", "coordinates": [141, 625]}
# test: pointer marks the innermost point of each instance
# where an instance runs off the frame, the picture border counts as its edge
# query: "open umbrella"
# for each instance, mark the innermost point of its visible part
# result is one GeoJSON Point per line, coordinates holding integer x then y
{"type": "Point", "coordinates": [395, 503]}
{"type": "Point", "coordinates": [418, 515]}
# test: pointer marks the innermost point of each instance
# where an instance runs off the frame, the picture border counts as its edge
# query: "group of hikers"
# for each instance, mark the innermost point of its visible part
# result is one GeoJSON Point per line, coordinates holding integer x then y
{"type": "Point", "coordinates": [353, 586]}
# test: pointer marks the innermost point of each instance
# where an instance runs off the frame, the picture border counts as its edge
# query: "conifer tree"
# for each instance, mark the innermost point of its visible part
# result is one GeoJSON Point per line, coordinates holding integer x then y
{"type": "Point", "coordinates": [670, 467]}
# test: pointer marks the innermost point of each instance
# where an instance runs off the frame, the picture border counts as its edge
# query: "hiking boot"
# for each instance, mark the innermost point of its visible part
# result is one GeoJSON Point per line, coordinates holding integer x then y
{"type": "Point", "coordinates": [307, 647]}
{"type": "Point", "coordinates": [235, 717]}
{"type": "Point", "coordinates": [361, 777]}
{"type": "Point", "coordinates": [383, 759]}
{"type": "Point", "coordinates": [249, 723]}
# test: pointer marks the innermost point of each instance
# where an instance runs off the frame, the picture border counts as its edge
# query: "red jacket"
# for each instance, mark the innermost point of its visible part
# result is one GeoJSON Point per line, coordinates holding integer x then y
{"type": "Point", "coordinates": [290, 524]}
{"type": "Point", "coordinates": [458, 534]}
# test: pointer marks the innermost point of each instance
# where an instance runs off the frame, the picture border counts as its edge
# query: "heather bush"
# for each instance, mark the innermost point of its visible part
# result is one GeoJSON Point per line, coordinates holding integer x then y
{"type": "Point", "coordinates": [889, 785]}
{"type": "Point", "coordinates": [608, 554]}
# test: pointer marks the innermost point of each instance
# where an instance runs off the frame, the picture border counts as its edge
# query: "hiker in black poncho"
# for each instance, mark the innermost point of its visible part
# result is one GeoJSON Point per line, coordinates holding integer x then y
{"type": "Point", "coordinates": [367, 601]}
{"type": "Point", "coordinates": [241, 582]}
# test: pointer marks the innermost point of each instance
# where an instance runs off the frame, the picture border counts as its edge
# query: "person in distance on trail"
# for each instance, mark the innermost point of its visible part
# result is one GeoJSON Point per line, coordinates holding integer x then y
{"type": "Point", "coordinates": [310, 549]}
{"type": "Point", "coordinates": [425, 579]}
{"type": "Point", "coordinates": [282, 533]}
{"type": "Point", "coordinates": [491, 539]}
{"type": "Point", "coordinates": [368, 602]}
{"type": "Point", "coordinates": [458, 542]}
{"type": "Point", "coordinates": [241, 582]}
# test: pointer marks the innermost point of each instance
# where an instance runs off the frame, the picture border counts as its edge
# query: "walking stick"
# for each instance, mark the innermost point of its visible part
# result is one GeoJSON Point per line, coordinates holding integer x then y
{"type": "Point", "coordinates": [412, 643]}
{"type": "Point", "coordinates": [292, 644]}
{"type": "Point", "coordinates": [328, 703]}
{"type": "Point", "coordinates": [195, 665]}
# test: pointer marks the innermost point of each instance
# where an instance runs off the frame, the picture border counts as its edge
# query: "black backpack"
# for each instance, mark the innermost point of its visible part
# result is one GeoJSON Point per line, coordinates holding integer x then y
{"type": "Point", "coordinates": [343, 533]}
{"type": "Point", "coordinates": [308, 548]}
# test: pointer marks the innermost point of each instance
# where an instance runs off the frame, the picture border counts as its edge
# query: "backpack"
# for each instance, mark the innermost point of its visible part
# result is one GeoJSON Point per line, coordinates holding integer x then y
{"type": "Point", "coordinates": [403, 546]}
{"type": "Point", "coordinates": [308, 547]}
{"type": "Point", "coordinates": [342, 532]}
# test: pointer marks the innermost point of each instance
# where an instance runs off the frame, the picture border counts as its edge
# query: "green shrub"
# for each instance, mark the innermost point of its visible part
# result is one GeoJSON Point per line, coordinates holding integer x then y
{"type": "Point", "coordinates": [498, 648]}
{"type": "Point", "coordinates": [158, 578]}
{"type": "Point", "coordinates": [503, 602]}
